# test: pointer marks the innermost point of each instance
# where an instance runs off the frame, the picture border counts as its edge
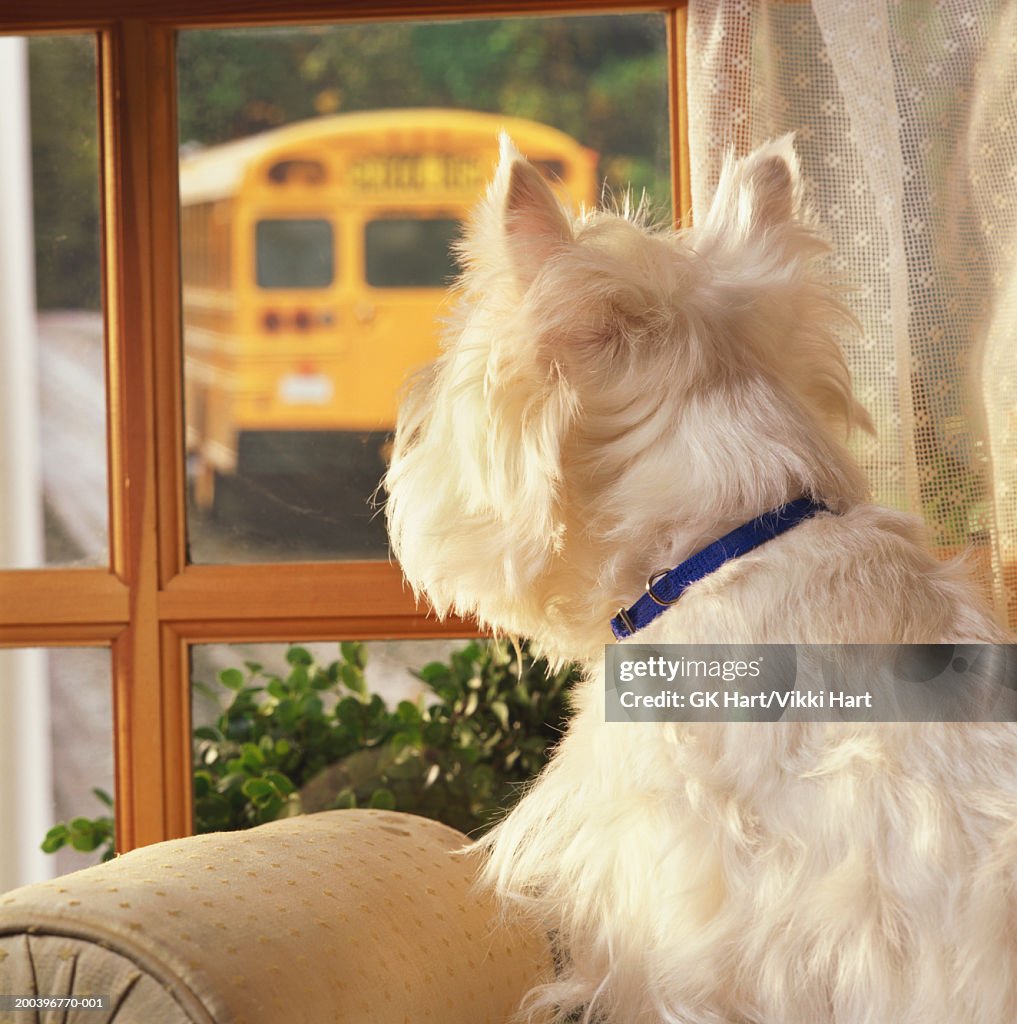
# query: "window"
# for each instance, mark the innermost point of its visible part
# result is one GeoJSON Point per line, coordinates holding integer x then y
{"type": "Point", "coordinates": [408, 252]}
{"type": "Point", "coordinates": [294, 253]}
{"type": "Point", "coordinates": [148, 605]}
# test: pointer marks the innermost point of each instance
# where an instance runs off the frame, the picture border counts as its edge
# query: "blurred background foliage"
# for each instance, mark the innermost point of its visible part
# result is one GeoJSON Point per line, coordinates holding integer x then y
{"type": "Point", "coordinates": [602, 80]}
{"type": "Point", "coordinates": [65, 166]}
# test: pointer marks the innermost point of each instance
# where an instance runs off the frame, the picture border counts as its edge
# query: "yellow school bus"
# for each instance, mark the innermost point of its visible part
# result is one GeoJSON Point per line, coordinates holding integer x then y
{"type": "Point", "coordinates": [315, 261]}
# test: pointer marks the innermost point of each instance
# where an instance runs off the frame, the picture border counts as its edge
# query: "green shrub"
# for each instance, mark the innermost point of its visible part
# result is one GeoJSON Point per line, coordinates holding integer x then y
{"type": "Point", "coordinates": [84, 834]}
{"type": "Point", "coordinates": [315, 739]}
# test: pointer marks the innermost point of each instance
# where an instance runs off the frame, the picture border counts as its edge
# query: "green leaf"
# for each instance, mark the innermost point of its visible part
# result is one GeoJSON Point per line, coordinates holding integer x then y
{"type": "Point", "coordinates": [500, 711]}
{"type": "Point", "coordinates": [281, 782]}
{"type": "Point", "coordinates": [102, 796]}
{"type": "Point", "coordinates": [205, 690]}
{"type": "Point", "coordinates": [56, 837]}
{"type": "Point", "coordinates": [84, 839]}
{"type": "Point", "coordinates": [212, 813]}
{"type": "Point", "coordinates": [311, 706]}
{"type": "Point", "coordinates": [383, 800]}
{"type": "Point", "coordinates": [299, 679]}
{"type": "Point", "coordinates": [354, 654]}
{"type": "Point", "coordinates": [268, 809]}
{"type": "Point", "coordinates": [299, 656]}
{"type": "Point", "coordinates": [345, 800]}
{"type": "Point", "coordinates": [433, 671]}
{"type": "Point", "coordinates": [233, 780]}
{"type": "Point", "coordinates": [353, 678]}
{"type": "Point", "coordinates": [232, 678]}
{"type": "Point", "coordinates": [408, 712]}
{"type": "Point", "coordinates": [322, 681]}
{"type": "Point", "coordinates": [348, 709]}
{"type": "Point", "coordinates": [254, 788]}
{"type": "Point", "coordinates": [404, 740]}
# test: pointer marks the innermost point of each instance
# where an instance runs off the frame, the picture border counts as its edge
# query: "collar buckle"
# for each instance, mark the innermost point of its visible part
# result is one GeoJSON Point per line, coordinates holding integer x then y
{"type": "Point", "coordinates": [653, 578]}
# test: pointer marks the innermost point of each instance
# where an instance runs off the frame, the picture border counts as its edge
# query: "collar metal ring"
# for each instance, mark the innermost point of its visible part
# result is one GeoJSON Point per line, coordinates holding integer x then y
{"type": "Point", "coordinates": [650, 580]}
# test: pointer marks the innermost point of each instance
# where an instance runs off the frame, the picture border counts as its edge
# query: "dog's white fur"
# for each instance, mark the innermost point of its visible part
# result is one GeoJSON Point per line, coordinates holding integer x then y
{"type": "Point", "coordinates": [612, 399]}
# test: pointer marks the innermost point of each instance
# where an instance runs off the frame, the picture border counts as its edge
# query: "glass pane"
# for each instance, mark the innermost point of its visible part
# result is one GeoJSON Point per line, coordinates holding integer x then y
{"type": "Point", "coordinates": [53, 476]}
{"type": "Point", "coordinates": [56, 747]}
{"type": "Point", "coordinates": [442, 728]}
{"type": "Point", "coordinates": [294, 253]}
{"type": "Point", "coordinates": [325, 173]}
{"type": "Point", "coordinates": [410, 253]}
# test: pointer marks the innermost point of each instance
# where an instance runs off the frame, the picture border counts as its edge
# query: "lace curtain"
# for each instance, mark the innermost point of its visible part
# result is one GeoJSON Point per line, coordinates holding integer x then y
{"type": "Point", "coordinates": [906, 122]}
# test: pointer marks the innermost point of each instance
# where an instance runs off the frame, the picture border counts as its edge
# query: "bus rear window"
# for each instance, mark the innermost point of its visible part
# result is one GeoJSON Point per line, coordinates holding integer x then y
{"type": "Point", "coordinates": [294, 253]}
{"type": "Point", "coordinates": [410, 252]}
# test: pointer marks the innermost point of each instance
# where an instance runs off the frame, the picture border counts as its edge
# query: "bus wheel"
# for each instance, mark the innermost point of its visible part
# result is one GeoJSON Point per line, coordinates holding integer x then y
{"type": "Point", "coordinates": [204, 487]}
{"type": "Point", "coordinates": [217, 496]}
{"type": "Point", "coordinates": [230, 499]}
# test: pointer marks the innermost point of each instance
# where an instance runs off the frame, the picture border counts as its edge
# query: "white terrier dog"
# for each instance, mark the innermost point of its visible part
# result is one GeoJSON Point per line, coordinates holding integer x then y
{"type": "Point", "coordinates": [613, 400]}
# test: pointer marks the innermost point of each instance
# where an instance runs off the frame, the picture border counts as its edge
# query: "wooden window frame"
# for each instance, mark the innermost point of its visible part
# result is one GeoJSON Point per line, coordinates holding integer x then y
{"type": "Point", "coordinates": [149, 605]}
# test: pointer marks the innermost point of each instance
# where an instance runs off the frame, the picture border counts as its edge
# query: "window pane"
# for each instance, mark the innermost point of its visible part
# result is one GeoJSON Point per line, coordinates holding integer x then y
{"type": "Point", "coordinates": [53, 476]}
{"type": "Point", "coordinates": [56, 746]}
{"type": "Point", "coordinates": [442, 728]}
{"type": "Point", "coordinates": [410, 252]}
{"type": "Point", "coordinates": [324, 174]}
{"type": "Point", "coordinates": [294, 253]}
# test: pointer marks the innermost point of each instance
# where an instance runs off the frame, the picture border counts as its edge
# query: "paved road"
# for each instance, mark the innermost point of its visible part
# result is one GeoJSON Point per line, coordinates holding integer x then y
{"type": "Point", "coordinates": [72, 391]}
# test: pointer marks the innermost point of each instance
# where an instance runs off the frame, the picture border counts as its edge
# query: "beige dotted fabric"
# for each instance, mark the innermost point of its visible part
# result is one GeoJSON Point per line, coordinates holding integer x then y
{"type": "Point", "coordinates": [363, 917]}
{"type": "Point", "coordinates": [54, 965]}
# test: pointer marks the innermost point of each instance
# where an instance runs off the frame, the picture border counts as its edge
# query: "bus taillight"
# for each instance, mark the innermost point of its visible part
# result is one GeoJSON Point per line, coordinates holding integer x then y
{"type": "Point", "coordinates": [302, 320]}
{"type": "Point", "coordinates": [271, 320]}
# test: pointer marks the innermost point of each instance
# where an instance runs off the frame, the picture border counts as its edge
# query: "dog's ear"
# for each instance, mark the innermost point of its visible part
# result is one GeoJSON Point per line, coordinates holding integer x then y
{"type": "Point", "coordinates": [534, 224]}
{"type": "Point", "coordinates": [770, 187]}
{"type": "Point", "coordinates": [759, 192]}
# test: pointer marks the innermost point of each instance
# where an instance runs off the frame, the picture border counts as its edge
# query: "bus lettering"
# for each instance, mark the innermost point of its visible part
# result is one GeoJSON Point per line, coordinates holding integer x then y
{"type": "Point", "coordinates": [418, 172]}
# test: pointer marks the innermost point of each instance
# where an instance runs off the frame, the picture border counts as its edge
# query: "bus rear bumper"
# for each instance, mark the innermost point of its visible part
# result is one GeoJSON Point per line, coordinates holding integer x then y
{"type": "Point", "coordinates": [312, 452]}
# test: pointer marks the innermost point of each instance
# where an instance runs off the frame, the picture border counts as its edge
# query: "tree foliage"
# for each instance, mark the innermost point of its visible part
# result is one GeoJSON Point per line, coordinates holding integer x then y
{"type": "Point", "coordinates": [65, 171]}
{"type": "Point", "coordinates": [602, 80]}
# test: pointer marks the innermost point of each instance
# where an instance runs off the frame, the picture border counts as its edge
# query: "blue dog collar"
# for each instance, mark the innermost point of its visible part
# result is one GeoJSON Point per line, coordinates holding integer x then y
{"type": "Point", "coordinates": [666, 586]}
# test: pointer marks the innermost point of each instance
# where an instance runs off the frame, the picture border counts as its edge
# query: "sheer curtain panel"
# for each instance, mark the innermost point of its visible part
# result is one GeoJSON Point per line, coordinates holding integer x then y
{"type": "Point", "coordinates": [906, 122]}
